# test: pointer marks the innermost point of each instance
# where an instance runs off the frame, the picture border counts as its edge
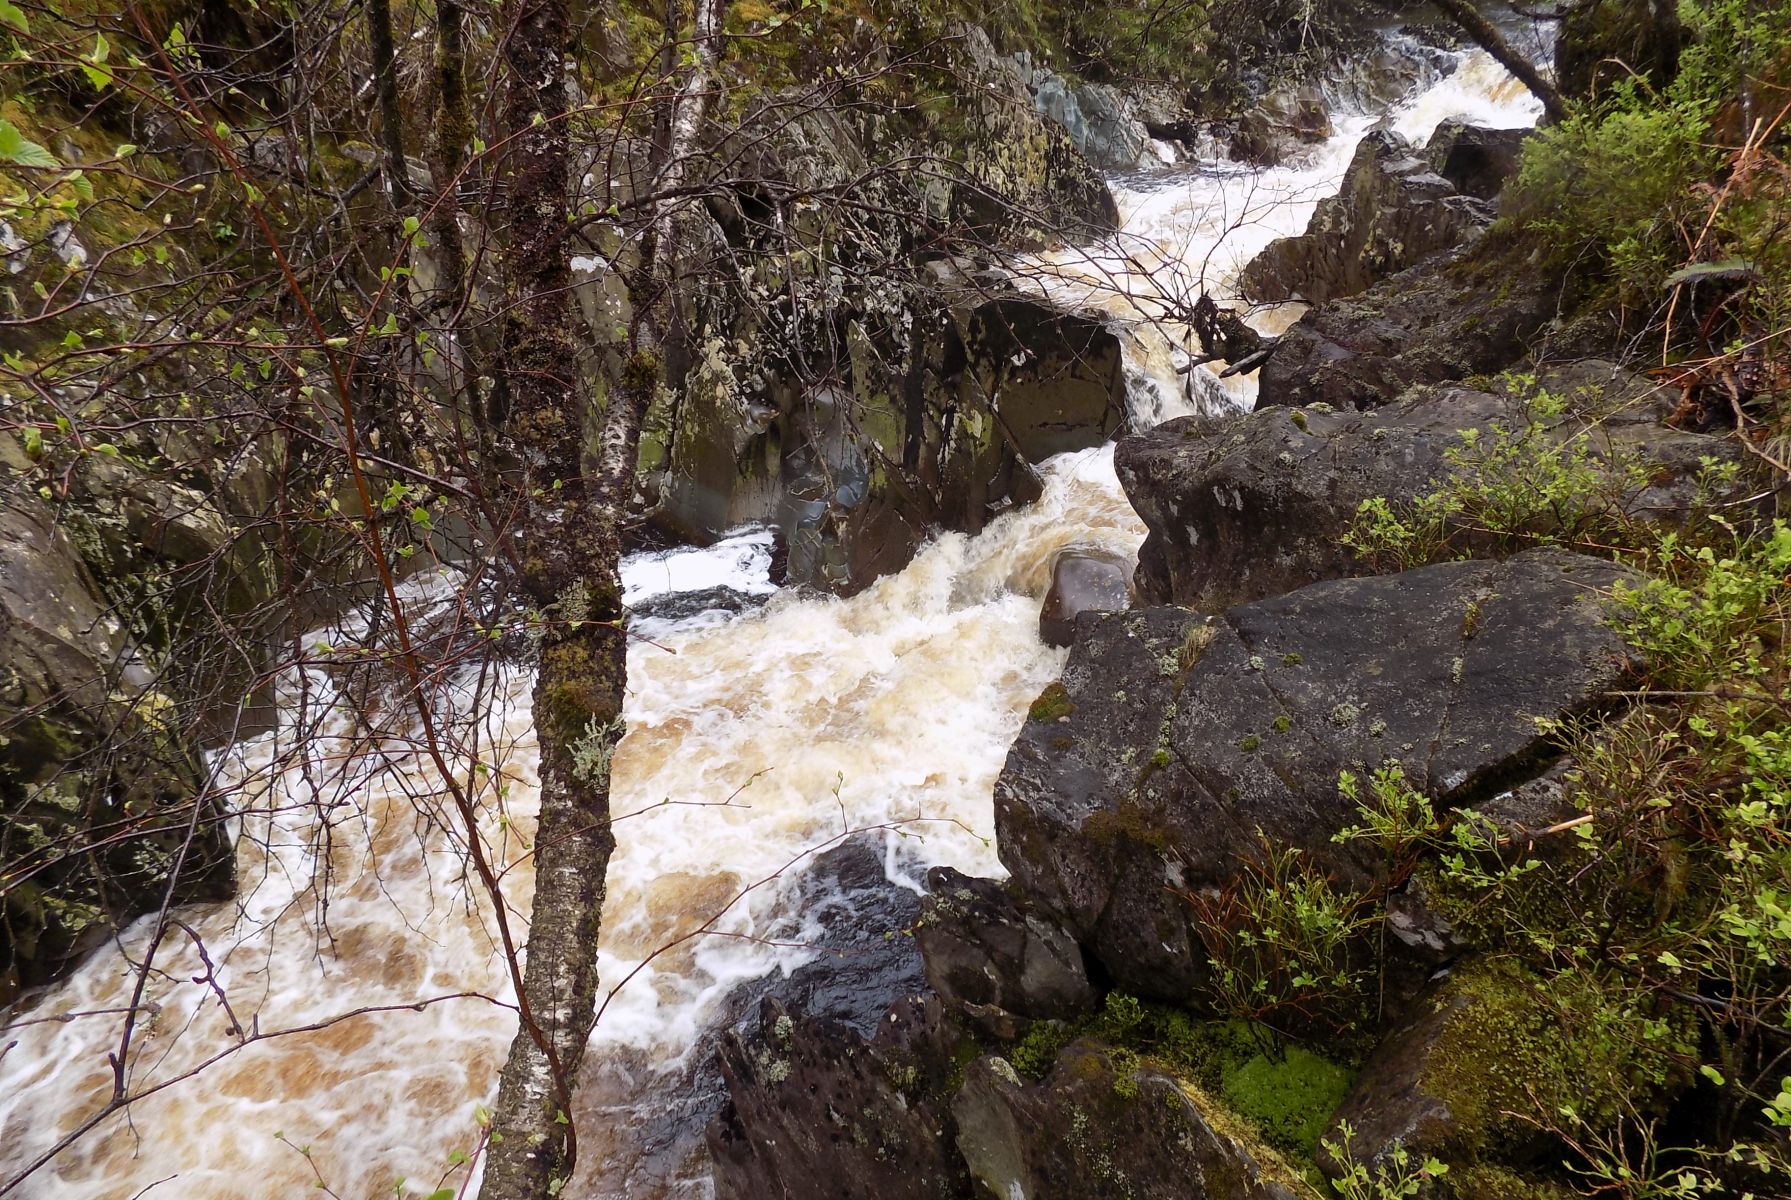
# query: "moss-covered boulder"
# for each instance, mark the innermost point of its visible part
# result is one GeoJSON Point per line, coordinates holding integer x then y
{"type": "Point", "coordinates": [1494, 1057]}
{"type": "Point", "coordinates": [1178, 746]}
{"type": "Point", "coordinates": [1106, 1126]}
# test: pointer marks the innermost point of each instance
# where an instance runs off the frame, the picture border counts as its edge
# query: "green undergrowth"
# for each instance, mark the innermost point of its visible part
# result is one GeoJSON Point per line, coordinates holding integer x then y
{"type": "Point", "coordinates": [1285, 1092]}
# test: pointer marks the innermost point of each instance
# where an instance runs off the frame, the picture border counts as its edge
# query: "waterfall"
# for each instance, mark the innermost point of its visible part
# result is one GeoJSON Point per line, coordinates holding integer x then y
{"type": "Point", "coordinates": [753, 739]}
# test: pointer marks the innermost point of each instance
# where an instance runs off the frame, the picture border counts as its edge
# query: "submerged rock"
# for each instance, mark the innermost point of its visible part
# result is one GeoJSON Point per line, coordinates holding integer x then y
{"type": "Point", "coordinates": [993, 960]}
{"type": "Point", "coordinates": [1103, 1126]}
{"type": "Point", "coordinates": [1083, 581]}
{"type": "Point", "coordinates": [1392, 211]}
{"type": "Point", "coordinates": [1179, 745]}
{"type": "Point", "coordinates": [1257, 505]}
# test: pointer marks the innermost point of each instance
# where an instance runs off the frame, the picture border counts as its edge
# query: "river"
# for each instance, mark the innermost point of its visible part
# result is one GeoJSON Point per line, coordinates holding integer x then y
{"type": "Point", "coordinates": [754, 740]}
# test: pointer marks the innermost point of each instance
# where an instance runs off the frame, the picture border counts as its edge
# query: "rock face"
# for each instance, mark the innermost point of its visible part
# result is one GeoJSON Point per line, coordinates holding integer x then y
{"type": "Point", "coordinates": [1104, 1129]}
{"type": "Point", "coordinates": [1177, 743]}
{"type": "Point", "coordinates": [1257, 505]}
{"type": "Point", "coordinates": [817, 1111]}
{"type": "Point", "coordinates": [1475, 310]}
{"type": "Point", "coordinates": [994, 961]}
{"type": "Point", "coordinates": [1099, 118]}
{"type": "Point", "coordinates": [97, 788]}
{"type": "Point", "coordinates": [1392, 212]}
{"type": "Point", "coordinates": [1476, 161]}
{"type": "Point", "coordinates": [1083, 581]}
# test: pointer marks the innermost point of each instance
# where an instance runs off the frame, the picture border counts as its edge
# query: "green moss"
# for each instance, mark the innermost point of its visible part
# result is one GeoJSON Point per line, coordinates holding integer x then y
{"type": "Point", "coordinates": [1290, 659]}
{"type": "Point", "coordinates": [1249, 743]}
{"type": "Point", "coordinates": [1516, 1047]}
{"type": "Point", "coordinates": [1289, 1098]}
{"type": "Point", "coordinates": [1053, 703]}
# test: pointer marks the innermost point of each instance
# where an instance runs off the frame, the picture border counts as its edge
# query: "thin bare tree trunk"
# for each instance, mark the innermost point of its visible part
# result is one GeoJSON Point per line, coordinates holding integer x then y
{"type": "Point", "coordinates": [447, 160]}
{"type": "Point", "coordinates": [391, 120]}
{"type": "Point", "coordinates": [1493, 42]}
{"type": "Point", "coordinates": [570, 550]}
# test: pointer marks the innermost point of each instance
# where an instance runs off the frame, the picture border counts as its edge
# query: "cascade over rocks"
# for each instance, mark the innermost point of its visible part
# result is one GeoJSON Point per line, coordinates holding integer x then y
{"type": "Point", "coordinates": [1105, 1128]}
{"type": "Point", "coordinates": [1176, 743]}
{"type": "Point", "coordinates": [1392, 212]}
{"type": "Point", "coordinates": [847, 906]}
{"type": "Point", "coordinates": [1256, 505]}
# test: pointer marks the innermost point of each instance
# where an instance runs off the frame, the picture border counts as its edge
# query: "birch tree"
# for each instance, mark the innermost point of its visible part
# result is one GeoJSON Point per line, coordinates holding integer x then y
{"type": "Point", "coordinates": [569, 551]}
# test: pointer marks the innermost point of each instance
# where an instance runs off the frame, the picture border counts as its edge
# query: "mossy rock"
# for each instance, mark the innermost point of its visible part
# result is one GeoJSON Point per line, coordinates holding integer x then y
{"type": "Point", "coordinates": [1494, 1054]}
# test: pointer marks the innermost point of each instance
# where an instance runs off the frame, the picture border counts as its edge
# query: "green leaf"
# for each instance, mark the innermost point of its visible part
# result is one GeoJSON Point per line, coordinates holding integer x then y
{"type": "Point", "coordinates": [15, 148]}
{"type": "Point", "coordinates": [440, 1194]}
{"type": "Point", "coordinates": [98, 74]}
{"type": "Point", "coordinates": [10, 14]}
{"type": "Point", "coordinates": [1729, 270]}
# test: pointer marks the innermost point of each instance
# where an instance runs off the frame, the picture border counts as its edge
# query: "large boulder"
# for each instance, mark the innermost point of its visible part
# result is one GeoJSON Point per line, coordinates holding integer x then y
{"type": "Point", "coordinates": [1392, 211]}
{"type": "Point", "coordinates": [1476, 161]}
{"type": "Point", "coordinates": [1103, 1126]}
{"type": "Point", "coordinates": [1280, 123]}
{"type": "Point", "coordinates": [1490, 1054]}
{"type": "Point", "coordinates": [1257, 505]}
{"type": "Point", "coordinates": [993, 960]}
{"type": "Point", "coordinates": [1177, 745]}
{"type": "Point", "coordinates": [1474, 310]}
{"type": "Point", "coordinates": [818, 1112]}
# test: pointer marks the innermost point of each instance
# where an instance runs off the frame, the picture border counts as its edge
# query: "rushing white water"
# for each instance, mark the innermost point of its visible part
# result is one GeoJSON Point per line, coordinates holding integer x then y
{"type": "Point", "coordinates": [752, 741]}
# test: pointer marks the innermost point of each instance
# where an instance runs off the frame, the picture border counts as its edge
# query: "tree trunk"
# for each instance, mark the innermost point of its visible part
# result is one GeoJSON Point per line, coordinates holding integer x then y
{"type": "Point", "coordinates": [447, 161]}
{"type": "Point", "coordinates": [391, 120]}
{"type": "Point", "coordinates": [570, 551]}
{"type": "Point", "coordinates": [1493, 42]}
{"type": "Point", "coordinates": [568, 548]}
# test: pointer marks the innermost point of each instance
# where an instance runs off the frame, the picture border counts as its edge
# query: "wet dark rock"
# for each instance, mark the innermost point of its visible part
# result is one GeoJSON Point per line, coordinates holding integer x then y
{"type": "Point", "coordinates": [1477, 161]}
{"type": "Point", "coordinates": [1393, 210]}
{"type": "Point", "coordinates": [1256, 505]}
{"type": "Point", "coordinates": [844, 902]}
{"type": "Point", "coordinates": [993, 960]}
{"type": "Point", "coordinates": [1277, 125]}
{"type": "Point", "coordinates": [1104, 1127]}
{"type": "Point", "coordinates": [679, 606]}
{"type": "Point", "coordinates": [1083, 581]}
{"type": "Point", "coordinates": [818, 1112]}
{"type": "Point", "coordinates": [1474, 310]}
{"type": "Point", "coordinates": [1177, 743]}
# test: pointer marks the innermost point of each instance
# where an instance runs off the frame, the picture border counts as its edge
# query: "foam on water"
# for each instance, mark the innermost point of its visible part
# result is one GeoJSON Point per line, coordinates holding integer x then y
{"type": "Point", "coordinates": [752, 741]}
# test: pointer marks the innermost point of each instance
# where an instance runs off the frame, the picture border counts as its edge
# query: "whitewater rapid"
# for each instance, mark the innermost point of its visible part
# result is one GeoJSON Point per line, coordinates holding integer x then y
{"type": "Point", "coordinates": [753, 741]}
